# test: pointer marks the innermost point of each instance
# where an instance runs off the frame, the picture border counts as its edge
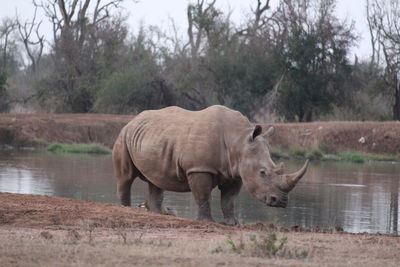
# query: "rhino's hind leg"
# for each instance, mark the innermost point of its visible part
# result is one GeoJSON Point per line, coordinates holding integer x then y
{"type": "Point", "coordinates": [228, 194]}
{"type": "Point", "coordinates": [155, 198]}
{"type": "Point", "coordinates": [201, 185]}
{"type": "Point", "coordinates": [125, 171]}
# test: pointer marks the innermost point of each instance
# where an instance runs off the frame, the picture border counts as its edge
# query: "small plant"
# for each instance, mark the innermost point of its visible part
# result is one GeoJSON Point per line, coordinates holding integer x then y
{"type": "Point", "coordinates": [237, 248]}
{"type": "Point", "coordinates": [122, 234]}
{"type": "Point", "coordinates": [263, 246]}
{"type": "Point", "coordinates": [91, 228]}
{"type": "Point", "coordinates": [267, 245]}
{"type": "Point", "coordinates": [139, 240]}
{"type": "Point", "coordinates": [217, 250]}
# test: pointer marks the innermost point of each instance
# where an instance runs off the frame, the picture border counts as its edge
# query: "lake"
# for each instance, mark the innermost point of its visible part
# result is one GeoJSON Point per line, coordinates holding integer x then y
{"type": "Point", "coordinates": [356, 197]}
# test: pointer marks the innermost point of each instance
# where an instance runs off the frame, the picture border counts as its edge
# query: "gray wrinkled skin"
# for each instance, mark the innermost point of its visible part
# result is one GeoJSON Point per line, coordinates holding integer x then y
{"type": "Point", "coordinates": [179, 150]}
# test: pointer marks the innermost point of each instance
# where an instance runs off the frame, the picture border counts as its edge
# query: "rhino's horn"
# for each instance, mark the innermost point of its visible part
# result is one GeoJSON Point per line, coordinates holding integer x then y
{"type": "Point", "coordinates": [290, 180]}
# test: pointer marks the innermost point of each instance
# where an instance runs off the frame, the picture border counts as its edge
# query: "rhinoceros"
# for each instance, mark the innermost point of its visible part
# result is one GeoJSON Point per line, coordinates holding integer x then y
{"type": "Point", "coordinates": [179, 150]}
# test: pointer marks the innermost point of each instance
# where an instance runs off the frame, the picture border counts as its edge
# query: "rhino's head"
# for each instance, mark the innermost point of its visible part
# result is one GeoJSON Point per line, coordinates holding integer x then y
{"type": "Point", "coordinates": [261, 177]}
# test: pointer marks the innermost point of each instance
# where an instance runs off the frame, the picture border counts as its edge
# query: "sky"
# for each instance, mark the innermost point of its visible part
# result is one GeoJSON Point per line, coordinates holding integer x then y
{"type": "Point", "coordinates": [160, 12]}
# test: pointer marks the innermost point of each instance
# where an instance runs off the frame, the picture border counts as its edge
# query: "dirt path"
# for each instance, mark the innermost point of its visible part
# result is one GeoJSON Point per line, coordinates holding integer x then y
{"type": "Point", "coordinates": [373, 137]}
{"type": "Point", "coordinates": [50, 231]}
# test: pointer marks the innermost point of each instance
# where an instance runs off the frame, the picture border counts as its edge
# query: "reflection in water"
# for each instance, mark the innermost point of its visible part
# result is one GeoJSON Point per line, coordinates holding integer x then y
{"type": "Point", "coordinates": [359, 198]}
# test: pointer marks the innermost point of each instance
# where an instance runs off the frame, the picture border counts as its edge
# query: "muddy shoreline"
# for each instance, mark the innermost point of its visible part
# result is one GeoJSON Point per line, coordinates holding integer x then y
{"type": "Point", "coordinates": [41, 230]}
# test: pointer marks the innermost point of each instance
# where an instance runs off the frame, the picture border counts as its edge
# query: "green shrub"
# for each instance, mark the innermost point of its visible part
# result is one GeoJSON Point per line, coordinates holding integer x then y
{"type": "Point", "coordinates": [278, 153]}
{"type": "Point", "coordinates": [297, 153]}
{"type": "Point", "coordinates": [315, 154]}
{"type": "Point", "coordinates": [40, 142]}
{"type": "Point", "coordinates": [260, 246]}
{"type": "Point", "coordinates": [78, 148]}
{"type": "Point", "coordinates": [267, 245]}
{"type": "Point", "coordinates": [352, 156]}
{"type": "Point", "coordinates": [237, 248]}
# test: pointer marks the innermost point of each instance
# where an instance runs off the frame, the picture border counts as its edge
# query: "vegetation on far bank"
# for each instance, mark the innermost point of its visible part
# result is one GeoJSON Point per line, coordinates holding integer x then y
{"type": "Point", "coordinates": [276, 152]}
{"type": "Point", "coordinates": [316, 154]}
{"type": "Point", "coordinates": [91, 148]}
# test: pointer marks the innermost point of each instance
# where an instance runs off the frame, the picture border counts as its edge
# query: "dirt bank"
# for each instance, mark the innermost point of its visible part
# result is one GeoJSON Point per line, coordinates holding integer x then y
{"type": "Point", "coordinates": [21, 129]}
{"type": "Point", "coordinates": [50, 231]}
{"type": "Point", "coordinates": [372, 137]}
{"type": "Point", "coordinates": [333, 137]}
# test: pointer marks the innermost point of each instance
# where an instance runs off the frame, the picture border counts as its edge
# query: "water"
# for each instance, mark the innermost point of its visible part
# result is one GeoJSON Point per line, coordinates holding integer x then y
{"type": "Point", "coordinates": [357, 197]}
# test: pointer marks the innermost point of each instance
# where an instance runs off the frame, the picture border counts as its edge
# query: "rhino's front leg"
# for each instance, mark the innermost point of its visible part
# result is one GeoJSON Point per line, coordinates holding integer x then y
{"type": "Point", "coordinates": [228, 194]}
{"type": "Point", "coordinates": [201, 185]}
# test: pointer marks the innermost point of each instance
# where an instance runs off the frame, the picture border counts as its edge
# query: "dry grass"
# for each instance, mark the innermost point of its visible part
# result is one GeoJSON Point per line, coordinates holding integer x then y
{"type": "Point", "coordinates": [179, 247]}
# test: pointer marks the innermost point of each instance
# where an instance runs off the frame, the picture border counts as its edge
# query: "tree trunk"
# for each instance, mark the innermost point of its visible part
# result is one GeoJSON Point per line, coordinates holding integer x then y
{"type": "Point", "coordinates": [396, 105]}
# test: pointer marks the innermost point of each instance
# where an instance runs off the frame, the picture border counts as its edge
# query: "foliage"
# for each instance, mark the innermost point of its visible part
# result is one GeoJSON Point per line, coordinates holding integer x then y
{"type": "Point", "coordinates": [78, 148]}
{"type": "Point", "coordinates": [352, 156]}
{"type": "Point", "coordinates": [384, 24]}
{"type": "Point", "coordinates": [138, 86]}
{"type": "Point", "coordinates": [277, 152]}
{"type": "Point", "coordinates": [359, 157]}
{"type": "Point", "coordinates": [8, 59]}
{"type": "Point", "coordinates": [290, 61]}
{"type": "Point", "coordinates": [315, 154]}
{"type": "Point", "coordinates": [267, 245]}
{"type": "Point", "coordinates": [3, 92]}
{"type": "Point", "coordinates": [315, 57]}
{"type": "Point", "coordinates": [297, 153]}
{"type": "Point", "coordinates": [237, 248]}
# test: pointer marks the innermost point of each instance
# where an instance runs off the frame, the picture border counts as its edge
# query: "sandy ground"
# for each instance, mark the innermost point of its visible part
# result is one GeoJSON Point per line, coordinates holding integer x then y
{"type": "Point", "coordinates": [49, 231]}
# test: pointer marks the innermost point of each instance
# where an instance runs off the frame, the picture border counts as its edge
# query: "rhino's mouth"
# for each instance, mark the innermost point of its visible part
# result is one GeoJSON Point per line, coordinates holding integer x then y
{"type": "Point", "coordinates": [277, 202]}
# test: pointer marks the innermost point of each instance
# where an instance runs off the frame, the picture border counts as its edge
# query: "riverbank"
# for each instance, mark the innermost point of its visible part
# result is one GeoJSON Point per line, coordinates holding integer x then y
{"type": "Point", "coordinates": [41, 230]}
{"type": "Point", "coordinates": [24, 130]}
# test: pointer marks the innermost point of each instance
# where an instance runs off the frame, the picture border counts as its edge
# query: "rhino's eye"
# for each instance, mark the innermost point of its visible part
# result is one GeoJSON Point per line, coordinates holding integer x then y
{"type": "Point", "coordinates": [263, 173]}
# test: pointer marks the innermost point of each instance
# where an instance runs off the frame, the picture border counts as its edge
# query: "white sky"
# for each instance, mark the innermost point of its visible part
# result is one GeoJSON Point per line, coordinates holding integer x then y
{"type": "Point", "coordinates": [159, 12]}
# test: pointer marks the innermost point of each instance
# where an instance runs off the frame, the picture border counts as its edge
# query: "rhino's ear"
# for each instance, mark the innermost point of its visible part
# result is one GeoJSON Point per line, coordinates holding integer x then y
{"type": "Point", "coordinates": [279, 168]}
{"type": "Point", "coordinates": [269, 132]}
{"type": "Point", "coordinates": [256, 132]}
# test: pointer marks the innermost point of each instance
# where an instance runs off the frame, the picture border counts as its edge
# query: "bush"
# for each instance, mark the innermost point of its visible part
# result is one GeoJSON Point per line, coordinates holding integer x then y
{"type": "Point", "coordinates": [297, 153]}
{"type": "Point", "coordinates": [78, 148]}
{"type": "Point", "coordinates": [315, 154]}
{"type": "Point", "coordinates": [352, 156]}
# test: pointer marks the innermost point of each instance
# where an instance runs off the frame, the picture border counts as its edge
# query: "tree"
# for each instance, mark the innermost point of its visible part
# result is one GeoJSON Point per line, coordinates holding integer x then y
{"type": "Point", "coordinates": [384, 25]}
{"type": "Point", "coordinates": [82, 29]}
{"type": "Point", "coordinates": [137, 85]}
{"type": "Point", "coordinates": [33, 45]}
{"type": "Point", "coordinates": [313, 48]}
{"type": "Point", "coordinates": [8, 62]}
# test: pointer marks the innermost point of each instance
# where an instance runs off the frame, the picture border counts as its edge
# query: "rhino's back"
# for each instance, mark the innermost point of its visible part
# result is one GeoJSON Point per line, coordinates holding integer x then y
{"type": "Point", "coordinates": [167, 144]}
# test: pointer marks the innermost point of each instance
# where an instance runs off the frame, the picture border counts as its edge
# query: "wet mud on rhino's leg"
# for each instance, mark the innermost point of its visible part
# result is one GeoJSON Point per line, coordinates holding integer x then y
{"type": "Point", "coordinates": [229, 193]}
{"type": "Point", "coordinates": [201, 185]}
{"type": "Point", "coordinates": [155, 198]}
